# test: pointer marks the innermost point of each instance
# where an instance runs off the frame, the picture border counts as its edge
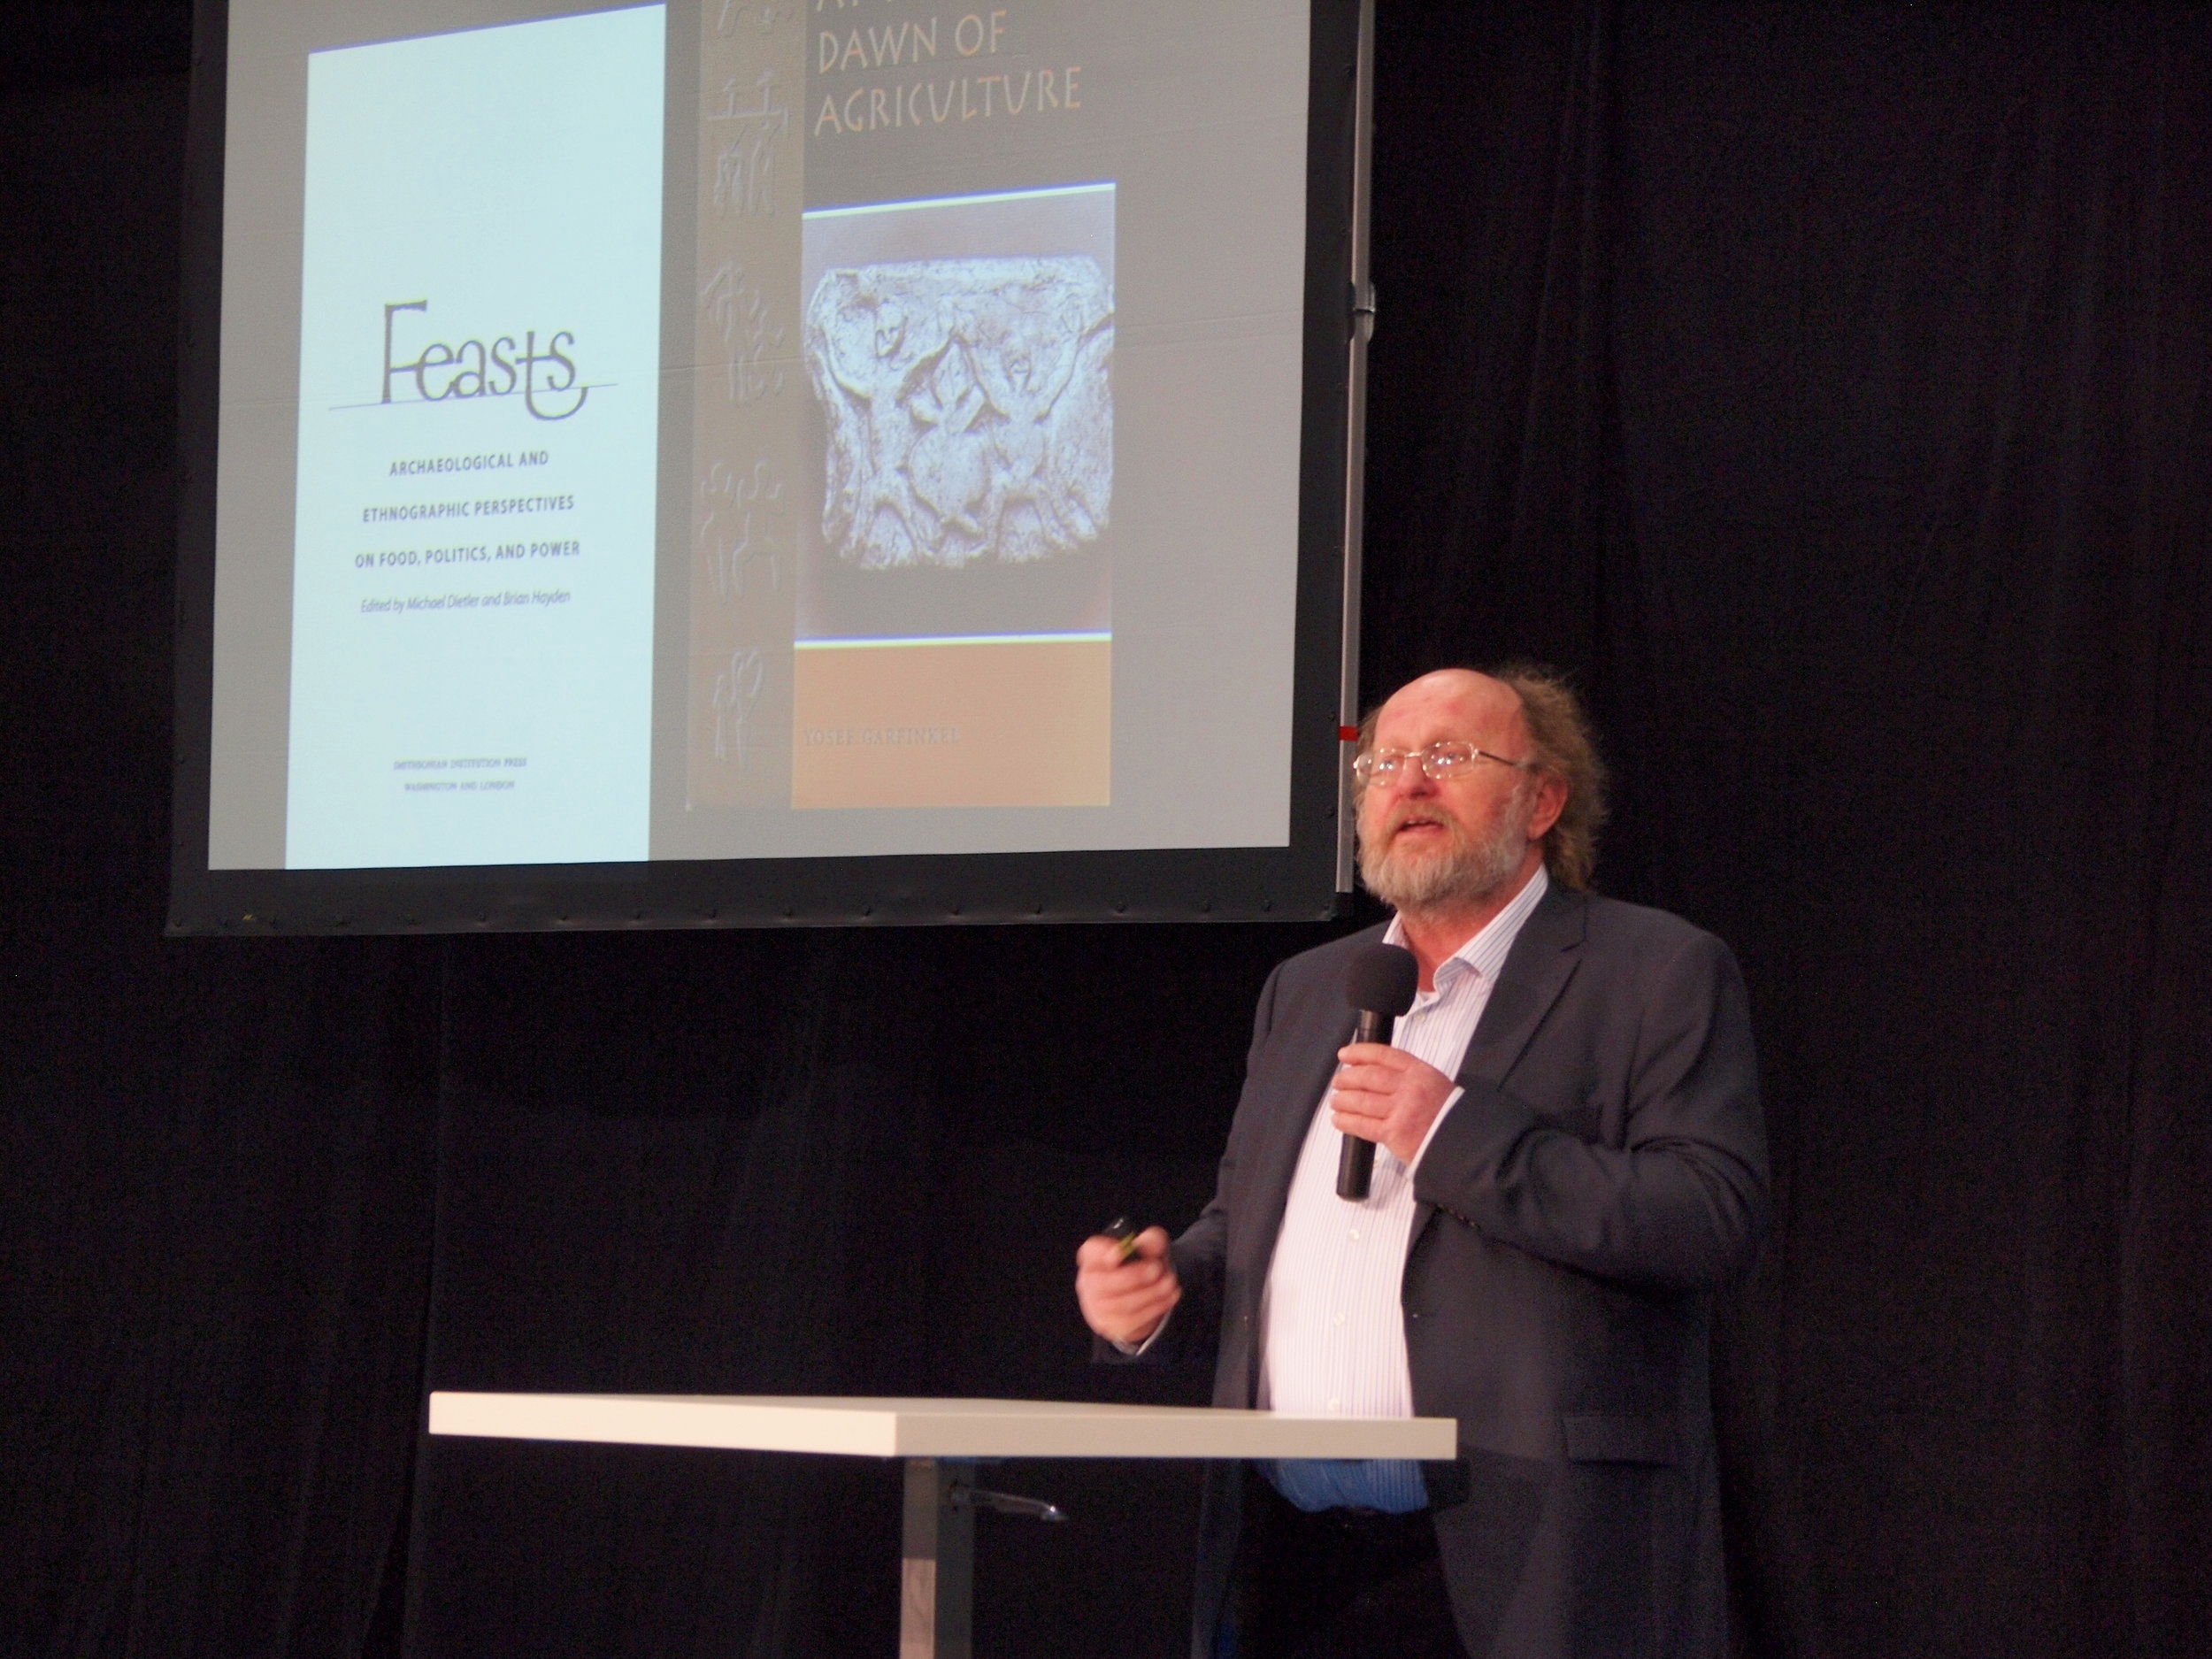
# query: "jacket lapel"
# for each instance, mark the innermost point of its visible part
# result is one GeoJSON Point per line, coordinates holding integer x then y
{"type": "Point", "coordinates": [1278, 1158]}
{"type": "Point", "coordinates": [1305, 1080]}
{"type": "Point", "coordinates": [1534, 972]}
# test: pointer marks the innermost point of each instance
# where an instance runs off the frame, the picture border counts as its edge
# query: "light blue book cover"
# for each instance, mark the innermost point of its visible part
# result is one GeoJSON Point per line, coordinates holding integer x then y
{"type": "Point", "coordinates": [479, 350]}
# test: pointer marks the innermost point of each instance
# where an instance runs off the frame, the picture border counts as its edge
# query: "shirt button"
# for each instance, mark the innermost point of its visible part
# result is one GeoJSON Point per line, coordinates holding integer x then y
{"type": "Point", "coordinates": [1355, 1235]}
{"type": "Point", "coordinates": [1335, 1404]}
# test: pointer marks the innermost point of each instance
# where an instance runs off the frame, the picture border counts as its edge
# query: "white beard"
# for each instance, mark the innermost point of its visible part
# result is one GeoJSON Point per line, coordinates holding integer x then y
{"type": "Point", "coordinates": [1462, 872]}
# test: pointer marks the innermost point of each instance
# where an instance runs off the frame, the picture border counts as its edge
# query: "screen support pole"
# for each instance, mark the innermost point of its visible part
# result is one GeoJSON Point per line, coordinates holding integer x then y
{"type": "Point", "coordinates": [1362, 330]}
{"type": "Point", "coordinates": [937, 1573]}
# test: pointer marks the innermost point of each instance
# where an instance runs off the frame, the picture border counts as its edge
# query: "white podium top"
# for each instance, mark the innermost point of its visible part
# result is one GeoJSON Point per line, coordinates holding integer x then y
{"type": "Point", "coordinates": [934, 1428]}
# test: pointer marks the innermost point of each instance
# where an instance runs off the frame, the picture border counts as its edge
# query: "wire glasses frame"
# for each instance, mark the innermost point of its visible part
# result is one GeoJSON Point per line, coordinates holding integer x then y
{"type": "Point", "coordinates": [1440, 763]}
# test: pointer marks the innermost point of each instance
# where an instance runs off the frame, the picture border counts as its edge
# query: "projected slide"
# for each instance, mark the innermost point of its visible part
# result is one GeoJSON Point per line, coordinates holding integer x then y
{"type": "Point", "coordinates": [473, 582]}
{"type": "Point", "coordinates": [755, 431]}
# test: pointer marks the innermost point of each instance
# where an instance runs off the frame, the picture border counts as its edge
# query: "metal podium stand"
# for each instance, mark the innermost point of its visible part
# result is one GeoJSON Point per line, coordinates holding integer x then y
{"type": "Point", "coordinates": [940, 1441]}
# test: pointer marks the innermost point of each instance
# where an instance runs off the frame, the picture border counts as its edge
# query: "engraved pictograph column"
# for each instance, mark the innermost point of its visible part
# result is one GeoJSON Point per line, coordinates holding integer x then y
{"type": "Point", "coordinates": [747, 401]}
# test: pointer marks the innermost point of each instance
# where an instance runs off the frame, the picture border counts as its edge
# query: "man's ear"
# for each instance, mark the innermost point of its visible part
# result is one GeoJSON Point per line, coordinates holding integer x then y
{"type": "Point", "coordinates": [1551, 801]}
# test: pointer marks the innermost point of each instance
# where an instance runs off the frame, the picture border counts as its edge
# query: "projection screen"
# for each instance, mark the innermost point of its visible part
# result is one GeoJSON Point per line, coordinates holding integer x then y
{"type": "Point", "coordinates": [731, 463]}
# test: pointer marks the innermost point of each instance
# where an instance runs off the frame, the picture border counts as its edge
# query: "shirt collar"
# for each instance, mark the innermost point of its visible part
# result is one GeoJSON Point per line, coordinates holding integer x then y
{"type": "Point", "coordinates": [1486, 953]}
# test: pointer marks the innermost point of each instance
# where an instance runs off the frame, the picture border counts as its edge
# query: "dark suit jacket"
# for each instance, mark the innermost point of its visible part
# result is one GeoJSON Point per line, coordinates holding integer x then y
{"type": "Point", "coordinates": [1603, 1172]}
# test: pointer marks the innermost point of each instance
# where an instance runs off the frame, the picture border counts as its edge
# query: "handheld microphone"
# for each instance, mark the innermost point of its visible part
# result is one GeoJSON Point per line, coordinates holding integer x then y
{"type": "Point", "coordinates": [1380, 983]}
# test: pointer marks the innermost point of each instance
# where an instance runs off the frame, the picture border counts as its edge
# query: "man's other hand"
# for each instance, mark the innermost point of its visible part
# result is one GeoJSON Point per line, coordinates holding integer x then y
{"type": "Point", "coordinates": [1386, 1095]}
{"type": "Point", "coordinates": [1125, 1302]}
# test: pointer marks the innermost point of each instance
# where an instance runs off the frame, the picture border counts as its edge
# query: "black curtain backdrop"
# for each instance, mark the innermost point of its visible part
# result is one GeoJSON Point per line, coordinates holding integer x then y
{"type": "Point", "coordinates": [1826, 386]}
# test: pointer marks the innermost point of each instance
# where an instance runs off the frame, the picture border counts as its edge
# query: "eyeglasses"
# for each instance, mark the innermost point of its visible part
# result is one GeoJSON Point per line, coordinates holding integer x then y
{"type": "Point", "coordinates": [1441, 762]}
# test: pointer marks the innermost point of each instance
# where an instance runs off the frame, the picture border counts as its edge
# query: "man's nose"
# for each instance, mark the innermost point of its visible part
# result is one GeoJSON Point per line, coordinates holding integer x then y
{"type": "Point", "coordinates": [1413, 777]}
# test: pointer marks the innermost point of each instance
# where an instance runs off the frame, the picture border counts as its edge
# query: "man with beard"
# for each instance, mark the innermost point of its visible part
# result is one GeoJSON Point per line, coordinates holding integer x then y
{"type": "Point", "coordinates": [1570, 1160]}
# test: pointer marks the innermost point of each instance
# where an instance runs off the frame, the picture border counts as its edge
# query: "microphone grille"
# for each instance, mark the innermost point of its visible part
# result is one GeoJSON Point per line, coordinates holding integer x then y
{"type": "Point", "coordinates": [1382, 979]}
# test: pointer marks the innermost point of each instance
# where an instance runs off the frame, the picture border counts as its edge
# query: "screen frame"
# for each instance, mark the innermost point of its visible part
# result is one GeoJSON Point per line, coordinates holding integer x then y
{"type": "Point", "coordinates": [1302, 881]}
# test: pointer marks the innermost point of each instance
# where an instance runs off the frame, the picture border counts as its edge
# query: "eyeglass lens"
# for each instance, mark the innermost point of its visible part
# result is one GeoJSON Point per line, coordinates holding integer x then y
{"type": "Point", "coordinates": [1440, 761]}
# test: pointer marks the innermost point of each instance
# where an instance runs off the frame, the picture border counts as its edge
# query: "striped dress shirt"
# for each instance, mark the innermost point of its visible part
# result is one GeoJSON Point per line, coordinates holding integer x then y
{"type": "Point", "coordinates": [1333, 1338]}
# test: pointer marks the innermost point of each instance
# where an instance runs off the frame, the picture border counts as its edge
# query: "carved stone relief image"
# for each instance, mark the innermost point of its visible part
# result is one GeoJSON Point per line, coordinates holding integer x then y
{"type": "Point", "coordinates": [959, 355]}
{"type": "Point", "coordinates": [969, 407]}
